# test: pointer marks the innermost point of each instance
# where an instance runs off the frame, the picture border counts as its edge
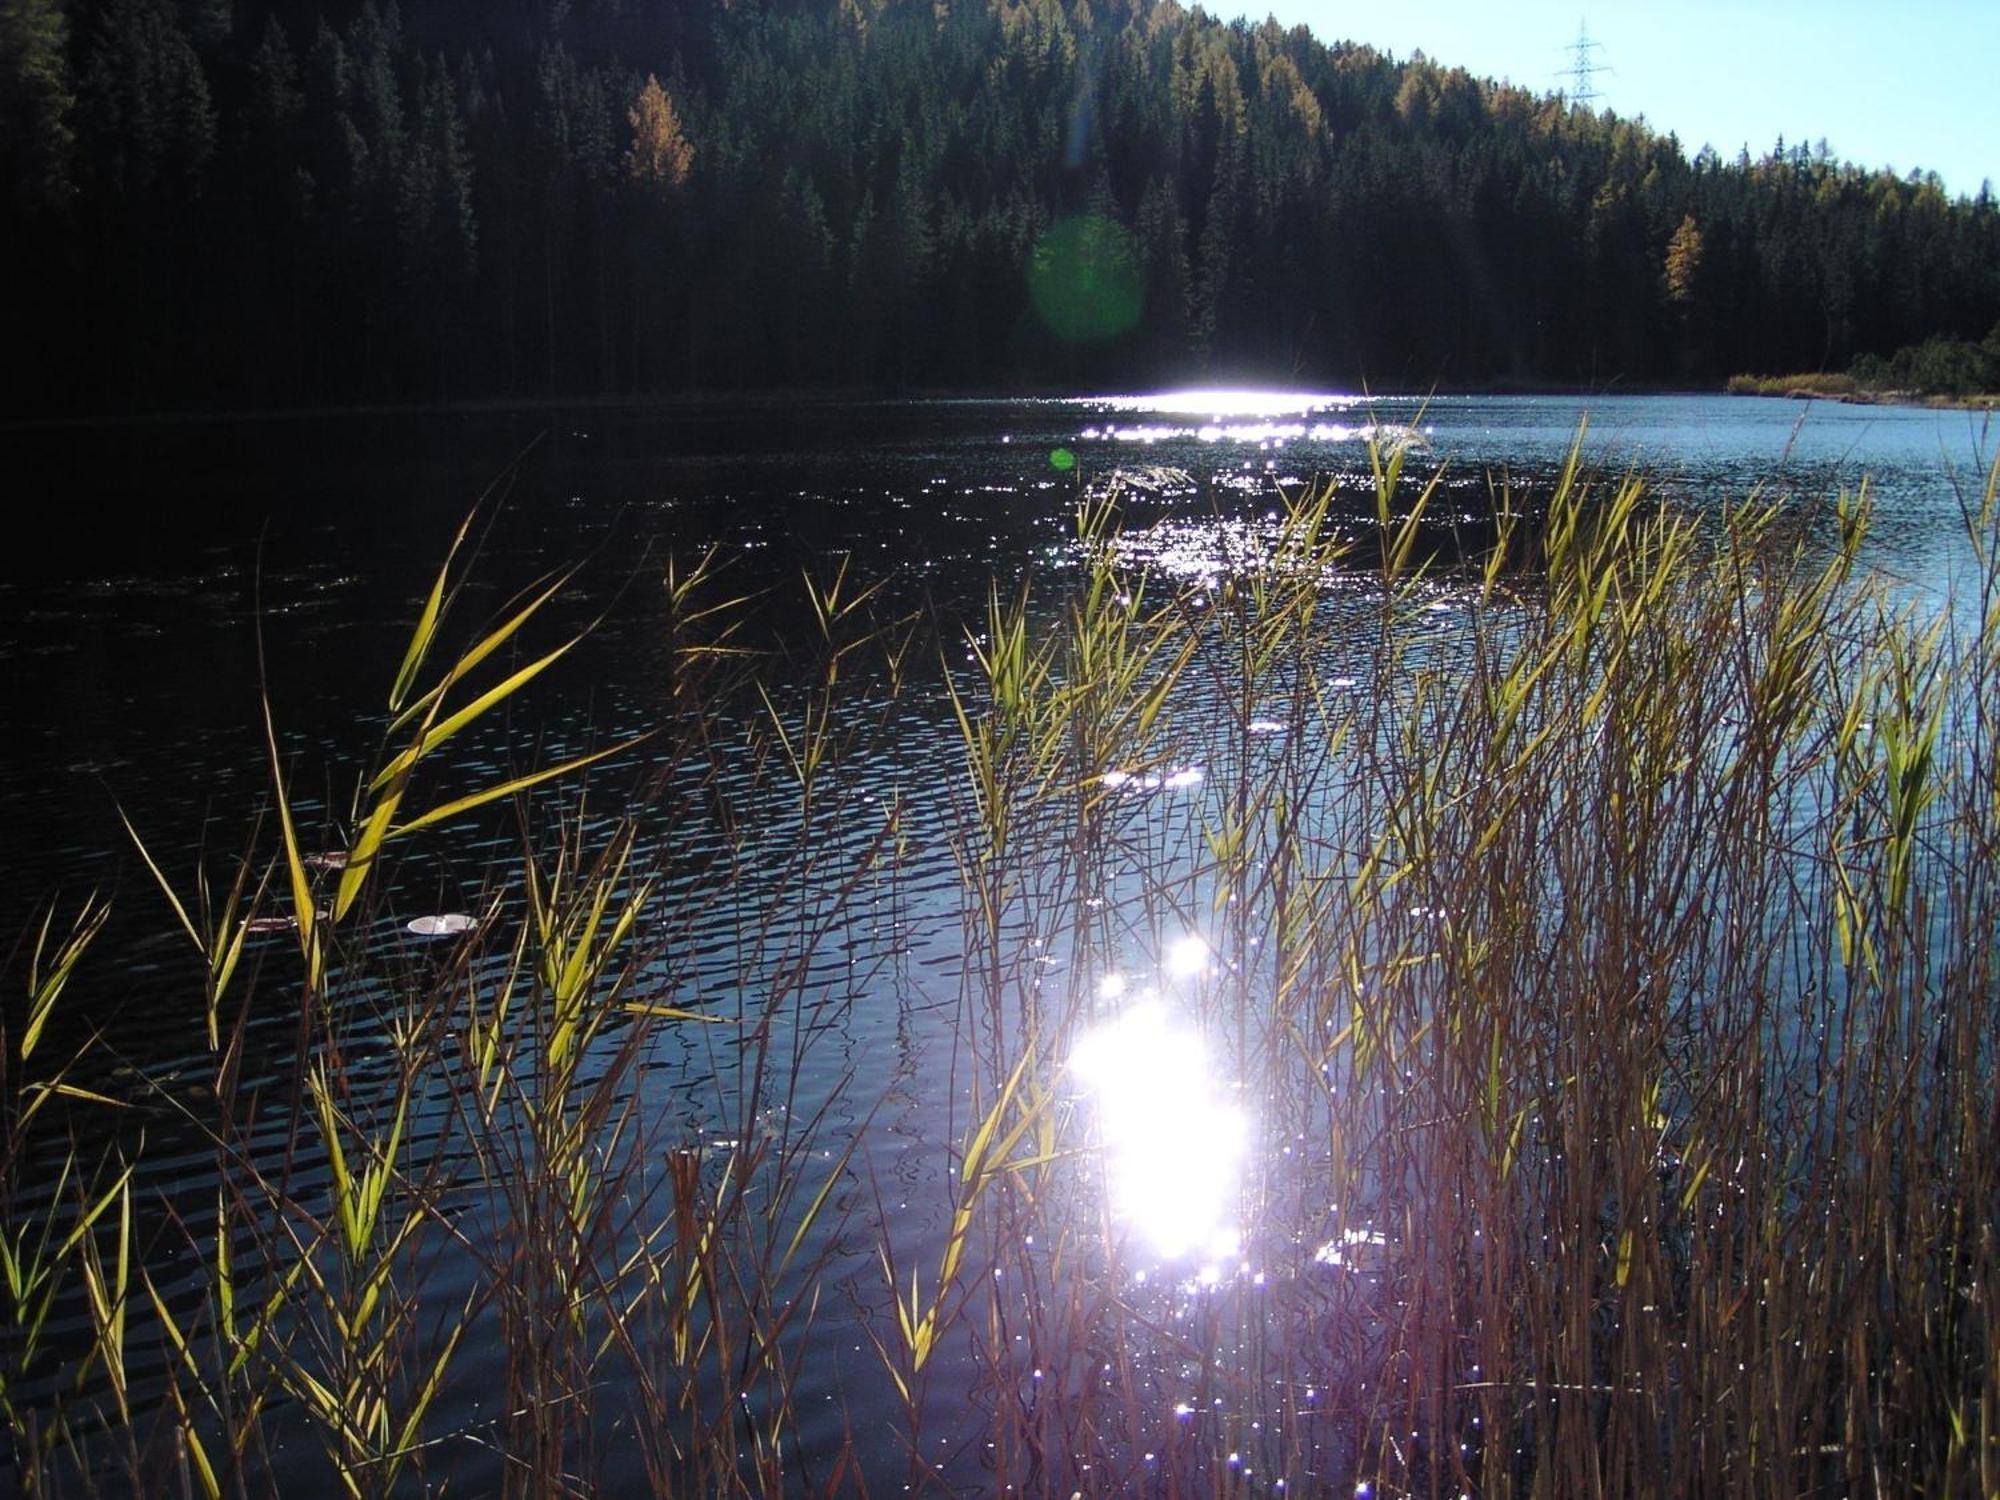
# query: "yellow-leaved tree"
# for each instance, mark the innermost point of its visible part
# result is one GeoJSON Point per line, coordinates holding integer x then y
{"type": "Point", "coordinates": [1683, 261]}
{"type": "Point", "coordinates": [660, 154]}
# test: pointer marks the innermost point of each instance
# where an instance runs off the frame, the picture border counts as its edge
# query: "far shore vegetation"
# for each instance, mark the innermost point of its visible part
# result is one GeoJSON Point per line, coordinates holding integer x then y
{"type": "Point", "coordinates": [1947, 370]}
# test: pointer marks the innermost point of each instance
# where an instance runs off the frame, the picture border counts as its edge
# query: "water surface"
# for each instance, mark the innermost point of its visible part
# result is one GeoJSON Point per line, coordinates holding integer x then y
{"type": "Point", "coordinates": [187, 564]}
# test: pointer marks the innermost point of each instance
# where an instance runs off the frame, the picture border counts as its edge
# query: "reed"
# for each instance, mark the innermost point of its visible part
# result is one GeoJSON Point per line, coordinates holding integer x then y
{"type": "Point", "coordinates": [1598, 960]}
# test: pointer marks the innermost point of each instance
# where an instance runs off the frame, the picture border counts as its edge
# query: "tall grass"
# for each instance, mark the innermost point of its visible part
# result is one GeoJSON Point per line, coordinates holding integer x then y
{"type": "Point", "coordinates": [1597, 932]}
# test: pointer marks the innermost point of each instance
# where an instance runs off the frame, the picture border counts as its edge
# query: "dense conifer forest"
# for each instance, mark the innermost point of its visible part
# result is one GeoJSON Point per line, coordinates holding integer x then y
{"type": "Point", "coordinates": [246, 203]}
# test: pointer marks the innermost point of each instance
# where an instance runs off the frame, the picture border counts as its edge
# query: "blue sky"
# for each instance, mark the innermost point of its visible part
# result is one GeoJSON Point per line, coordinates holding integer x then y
{"type": "Point", "coordinates": [1897, 83]}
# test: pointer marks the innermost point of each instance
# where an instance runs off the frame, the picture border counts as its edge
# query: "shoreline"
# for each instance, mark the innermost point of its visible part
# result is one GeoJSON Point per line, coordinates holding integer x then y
{"type": "Point", "coordinates": [698, 403]}
{"type": "Point", "coordinates": [694, 403]}
{"type": "Point", "coordinates": [1986, 403]}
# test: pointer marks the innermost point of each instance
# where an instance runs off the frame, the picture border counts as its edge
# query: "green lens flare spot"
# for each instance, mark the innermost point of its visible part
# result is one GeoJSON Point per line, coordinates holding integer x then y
{"type": "Point", "coordinates": [1063, 459]}
{"type": "Point", "coordinates": [1086, 279]}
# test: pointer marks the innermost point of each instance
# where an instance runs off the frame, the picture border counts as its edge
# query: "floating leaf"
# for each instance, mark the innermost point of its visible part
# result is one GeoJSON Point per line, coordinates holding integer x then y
{"type": "Point", "coordinates": [446, 924]}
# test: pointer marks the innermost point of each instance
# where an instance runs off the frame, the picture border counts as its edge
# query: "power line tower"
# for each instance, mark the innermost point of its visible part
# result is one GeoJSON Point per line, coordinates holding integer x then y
{"type": "Point", "coordinates": [1584, 67]}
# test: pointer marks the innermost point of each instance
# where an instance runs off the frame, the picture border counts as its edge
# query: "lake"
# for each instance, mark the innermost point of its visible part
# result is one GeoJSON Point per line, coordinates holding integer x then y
{"type": "Point", "coordinates": [828, 929]}
{"type": "Point", "coordinates": [129, 645]}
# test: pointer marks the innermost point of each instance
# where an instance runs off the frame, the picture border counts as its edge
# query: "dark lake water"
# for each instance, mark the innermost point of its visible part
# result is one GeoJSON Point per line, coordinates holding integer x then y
{"type": "Point", "coordinates": [145, 555]}
{"type": "Point", "coordinates": [150, 561]}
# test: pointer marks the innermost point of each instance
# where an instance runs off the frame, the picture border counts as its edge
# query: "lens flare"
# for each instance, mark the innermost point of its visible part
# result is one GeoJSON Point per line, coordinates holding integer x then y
{"type": "Point", "coordinates": [1173, 1147]}
{"type": "Point", "coordinates": [1086, 279]}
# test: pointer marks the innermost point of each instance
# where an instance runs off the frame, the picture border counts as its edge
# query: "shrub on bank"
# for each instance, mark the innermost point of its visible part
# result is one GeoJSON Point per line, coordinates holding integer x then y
{"type": "Point", "coordinates": [1817, 384]}
{"type": "Point", "coordinates": [1939, 366]}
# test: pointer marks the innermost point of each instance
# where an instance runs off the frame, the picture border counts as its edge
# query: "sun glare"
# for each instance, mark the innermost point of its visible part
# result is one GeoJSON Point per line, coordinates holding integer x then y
{"type": "Point", "coordinates": [1187, 957]}
{"type": "Point", "coordinates": [1173, 1146]}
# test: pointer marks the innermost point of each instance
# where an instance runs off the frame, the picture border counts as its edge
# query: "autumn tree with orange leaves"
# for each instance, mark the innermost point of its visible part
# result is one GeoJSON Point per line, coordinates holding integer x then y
{"type": "Point", "coordinates": [660, 155]}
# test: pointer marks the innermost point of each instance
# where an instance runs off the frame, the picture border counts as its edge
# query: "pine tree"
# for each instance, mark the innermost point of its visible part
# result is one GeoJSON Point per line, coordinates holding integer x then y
{"type": "Point", "coordinates": [36, 100]}
{"type": "Point", "coordinates": [434, 216]}
{"type": "Point", "coordinates": [146, 110]}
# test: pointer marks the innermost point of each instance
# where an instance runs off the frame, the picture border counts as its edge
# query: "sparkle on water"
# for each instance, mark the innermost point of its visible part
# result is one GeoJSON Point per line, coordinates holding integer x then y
{"type": "Point", "coordinates": [1180, 779]}
{"type": "Point", "coordinates": [1187, 957]}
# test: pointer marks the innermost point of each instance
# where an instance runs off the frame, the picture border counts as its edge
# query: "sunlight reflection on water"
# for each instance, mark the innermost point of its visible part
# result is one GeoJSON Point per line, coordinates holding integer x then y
{"type": "Point", "coordinates": [1266, 419]}
{"type": "Point", "coordinates": [1220, 404]}
{"type": "Point", "coordinates": [1173, 1144]}
{"type": "Point", "coordinates": [1265, 435]}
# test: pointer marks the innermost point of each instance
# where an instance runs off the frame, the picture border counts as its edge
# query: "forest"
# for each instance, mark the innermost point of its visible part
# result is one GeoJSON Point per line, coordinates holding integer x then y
{"type": "Point", "coordinates": [240, 204]}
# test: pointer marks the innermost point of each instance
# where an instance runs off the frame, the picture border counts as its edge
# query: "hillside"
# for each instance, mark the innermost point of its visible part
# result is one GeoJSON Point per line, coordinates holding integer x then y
{"type": "Point", "coordinates": [252, 203]}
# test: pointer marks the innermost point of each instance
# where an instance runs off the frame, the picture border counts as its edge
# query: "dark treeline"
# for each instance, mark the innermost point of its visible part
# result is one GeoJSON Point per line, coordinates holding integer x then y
{"type": "Point", "coordinates": [262, 202]}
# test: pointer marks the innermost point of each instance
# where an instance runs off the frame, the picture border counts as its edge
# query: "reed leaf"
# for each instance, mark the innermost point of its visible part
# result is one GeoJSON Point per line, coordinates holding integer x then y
{"type": "Point", "coordinates": [424, 634]}
{"type": "Point", "coordinates": [519, 784]}
{"type": "Point", "coordinates": [303, 909]}
{"type": "Point", "coordinates": [434, 735]}
{"type": "Point", "coordinates": [426, 706]}
{"type": "Point", "coordinates": [45, 984]}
